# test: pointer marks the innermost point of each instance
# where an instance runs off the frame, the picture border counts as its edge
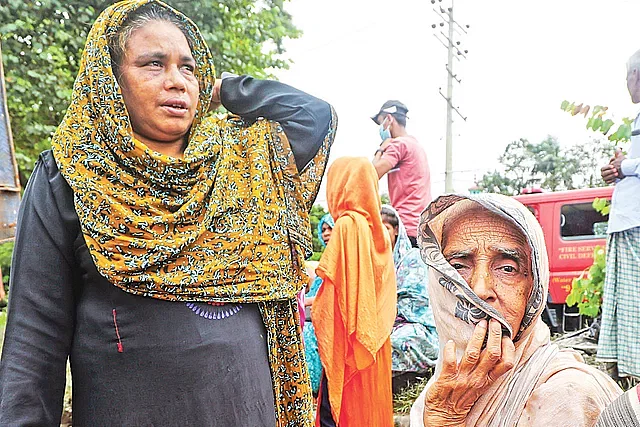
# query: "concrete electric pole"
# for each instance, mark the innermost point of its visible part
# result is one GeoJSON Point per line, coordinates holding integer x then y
{"type": "Point", "coordinates": [452, 46]}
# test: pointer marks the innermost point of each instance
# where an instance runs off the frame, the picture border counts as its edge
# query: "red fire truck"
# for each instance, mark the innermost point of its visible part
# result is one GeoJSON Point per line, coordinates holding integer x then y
{"type": "Point", "coordinates": [572, 229]}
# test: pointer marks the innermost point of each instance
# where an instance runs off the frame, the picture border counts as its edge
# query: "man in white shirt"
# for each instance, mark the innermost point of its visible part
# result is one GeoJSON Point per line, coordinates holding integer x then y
{"type": "Point", "coordinates": [619, 341]}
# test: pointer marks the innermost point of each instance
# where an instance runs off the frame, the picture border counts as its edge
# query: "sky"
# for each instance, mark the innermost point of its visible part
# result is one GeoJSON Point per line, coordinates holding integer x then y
{"type": "Point", "coordinates": [525, 58]}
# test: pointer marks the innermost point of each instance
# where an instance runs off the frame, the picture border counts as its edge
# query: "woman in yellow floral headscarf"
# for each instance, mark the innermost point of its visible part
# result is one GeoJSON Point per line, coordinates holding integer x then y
{"type": "Point", "coordinates": [160, 250]}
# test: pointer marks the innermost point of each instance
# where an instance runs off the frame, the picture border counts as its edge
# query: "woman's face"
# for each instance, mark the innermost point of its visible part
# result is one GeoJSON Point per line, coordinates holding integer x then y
{"type": "Point", "coordinates": [393, 231]}
{"type": "Point", "coordinates": [158, 84]}
{"type": "Point", "coordinates": [326, 232]}
{"type": "Point", "coordinates": [494, 258]}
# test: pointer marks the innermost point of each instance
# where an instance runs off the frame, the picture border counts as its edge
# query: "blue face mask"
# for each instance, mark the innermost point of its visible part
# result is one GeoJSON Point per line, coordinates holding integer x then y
{"type": "Point", "coordinates": [384, 133]}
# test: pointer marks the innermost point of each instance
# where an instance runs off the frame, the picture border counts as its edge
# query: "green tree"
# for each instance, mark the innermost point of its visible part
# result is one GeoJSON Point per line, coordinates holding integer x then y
{"type": "Point", "coordinates": [42, 44]}
{"type": "Point", "coordinates": [498, 182]}
{"type": "Point", "coordinates": [600, 123]}
{"type": "Point", "coordinates": [592, 155]}
{"type": "Point", "coordinates": [547, 165]}
{"type": "Point", "coordinates": [6, 250]}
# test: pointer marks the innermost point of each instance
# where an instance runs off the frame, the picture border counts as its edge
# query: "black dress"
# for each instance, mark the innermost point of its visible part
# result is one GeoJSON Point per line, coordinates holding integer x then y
{"type": "Point", "coordinates": [135, 361]}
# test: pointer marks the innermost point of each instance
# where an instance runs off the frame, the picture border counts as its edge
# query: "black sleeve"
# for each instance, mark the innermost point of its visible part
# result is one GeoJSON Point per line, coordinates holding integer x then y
{"type": "Point", "coordinates": [40, 319]}
{"type": "Point", "coordinates": [304, 118]}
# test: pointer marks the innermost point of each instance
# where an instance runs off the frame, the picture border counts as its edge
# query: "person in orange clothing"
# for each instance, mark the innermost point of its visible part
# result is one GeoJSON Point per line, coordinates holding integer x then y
{"type": "Point", "coordinates": [355, 308]}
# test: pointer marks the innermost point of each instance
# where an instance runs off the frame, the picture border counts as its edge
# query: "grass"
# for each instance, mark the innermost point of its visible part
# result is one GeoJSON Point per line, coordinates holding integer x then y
{"type": "Point", "coordinates": [66, 408]}
{"type": "Point", "coordinates": [3, 324]}
{"type": "Point", "coordinates": [403, 400]}
{"type": "Point", "coordinates": [625, 383]}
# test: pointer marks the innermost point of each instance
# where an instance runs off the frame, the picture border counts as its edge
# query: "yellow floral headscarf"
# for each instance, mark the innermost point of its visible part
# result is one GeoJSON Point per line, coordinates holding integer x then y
{"type": "Point", "coordinates": [228, 222]}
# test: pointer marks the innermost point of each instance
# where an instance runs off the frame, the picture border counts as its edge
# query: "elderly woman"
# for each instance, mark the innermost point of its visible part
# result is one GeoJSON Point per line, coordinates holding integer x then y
{"type": "Point", "coordinates": [414, 340]}
{"type": "Point", "coordinates": [497, 367]}
{"type": "Point", "coordinates": [160, 250]}
{"type": "Point", "coordinates": [356, 305]}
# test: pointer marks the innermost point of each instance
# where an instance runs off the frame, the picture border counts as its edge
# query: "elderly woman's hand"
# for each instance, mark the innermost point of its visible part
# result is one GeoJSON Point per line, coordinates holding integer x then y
{"type": "Point", "coordinates": [449, 400]}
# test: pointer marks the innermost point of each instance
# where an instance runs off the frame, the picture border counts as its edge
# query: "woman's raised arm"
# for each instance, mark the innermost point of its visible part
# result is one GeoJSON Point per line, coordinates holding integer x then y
{"type": "Point", "coordinates": [304, 118]}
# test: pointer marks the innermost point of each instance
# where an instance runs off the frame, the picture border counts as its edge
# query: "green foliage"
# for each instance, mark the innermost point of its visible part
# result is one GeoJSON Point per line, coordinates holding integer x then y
{"type": "Point", "coordinates": [384, 199]}
{"type": "Point", "coordinates": [498, 182]}
{"type": "Point", "coordinates": [316, 256]}
{"type": "Point", "coordinates": [586, 290]}
{"type": "Point", "coordinates": [601, 205]}
{"type": "Point", "coordinates": [552, 168]}
{"type": "Point", "coordinates": [6, 249]}
{"type": "Point", "coordinates": [317, 212]}
{"type": "Point", "coordinates": [42, 42]}
{"type": "Point", "coordinates": [597, 122]}
{"type": "Point", "coordinates": [546, 165]}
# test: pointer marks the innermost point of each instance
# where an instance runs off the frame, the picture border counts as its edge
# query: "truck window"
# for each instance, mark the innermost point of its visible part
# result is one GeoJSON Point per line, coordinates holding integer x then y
{"type": "Point", "coordinates": [580, 221]}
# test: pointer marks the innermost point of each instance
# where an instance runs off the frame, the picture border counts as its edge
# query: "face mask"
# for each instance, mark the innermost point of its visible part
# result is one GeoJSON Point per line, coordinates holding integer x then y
{"type": "Point", "coordinates": [384, 133]}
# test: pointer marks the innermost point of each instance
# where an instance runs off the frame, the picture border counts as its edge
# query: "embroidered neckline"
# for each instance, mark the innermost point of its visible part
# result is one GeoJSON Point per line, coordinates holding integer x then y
{"type": "Point", "coordinates": [218, 311]}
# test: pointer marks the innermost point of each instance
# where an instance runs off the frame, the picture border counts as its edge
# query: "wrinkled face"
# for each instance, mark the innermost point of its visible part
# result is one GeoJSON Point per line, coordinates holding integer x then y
{"type": "Point", "coordinates": [493, 256]}
{"type": "Point", "coordinates": [326, 232]}
{"type": "Point", "coordinates": [158, 84]}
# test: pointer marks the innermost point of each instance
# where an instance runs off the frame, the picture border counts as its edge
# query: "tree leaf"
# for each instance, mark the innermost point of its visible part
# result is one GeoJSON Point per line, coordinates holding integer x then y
{"type": "Point", "coordinates": [42, 68]}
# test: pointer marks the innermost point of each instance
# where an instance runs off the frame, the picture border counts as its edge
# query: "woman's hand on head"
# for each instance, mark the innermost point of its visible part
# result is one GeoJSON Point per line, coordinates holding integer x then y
{"type": "Point", "coordinates": [450, 399]}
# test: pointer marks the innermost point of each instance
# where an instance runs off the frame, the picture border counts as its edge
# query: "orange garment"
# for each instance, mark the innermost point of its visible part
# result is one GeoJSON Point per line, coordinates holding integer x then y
{"type": "Point", "coordinates": [354, 310]}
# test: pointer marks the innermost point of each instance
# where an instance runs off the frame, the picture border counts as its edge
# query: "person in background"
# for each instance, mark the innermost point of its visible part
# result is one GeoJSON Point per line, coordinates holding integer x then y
{"type": "Point", "coordinates": [325, 226]}
{"type": "Point", "coordinates": [160, 249]}
{"type": "Point", "coordinates": [404, 161]}
{"type": "Point", "coordinates": [414, 340]}
{"type": "Point", "coordinates": [619, 341]}
{"type": "Point", "coordinates": [355, 308]}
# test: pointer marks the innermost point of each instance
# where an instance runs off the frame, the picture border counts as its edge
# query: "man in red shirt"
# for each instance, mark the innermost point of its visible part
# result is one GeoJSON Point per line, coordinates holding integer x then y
{"type": "Point", "coordinates": [404, 161]}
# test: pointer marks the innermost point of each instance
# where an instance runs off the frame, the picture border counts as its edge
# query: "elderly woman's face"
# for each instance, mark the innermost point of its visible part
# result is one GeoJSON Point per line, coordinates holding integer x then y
{"type": "Point", "coordinates": [158, 84]}
{"type": "Point", "coordinates": [493, 256]}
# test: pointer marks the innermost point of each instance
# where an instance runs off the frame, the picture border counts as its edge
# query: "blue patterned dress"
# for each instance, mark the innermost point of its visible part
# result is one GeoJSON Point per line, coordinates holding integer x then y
{"type": "Point", "coordinates": [311, 342]}
{"type": "Point", "coordinates": [309, 333]}
{"type": "Point", "coordinates": [414, 340]}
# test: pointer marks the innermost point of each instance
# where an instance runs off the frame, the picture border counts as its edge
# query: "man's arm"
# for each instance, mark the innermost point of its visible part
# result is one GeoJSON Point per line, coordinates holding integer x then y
{"type": "Point", "coordinates": [387, 157]}
{"type": "Point", "coordinates": [630, 167]}
{"type": "Point", "coordinates": [381, 164]}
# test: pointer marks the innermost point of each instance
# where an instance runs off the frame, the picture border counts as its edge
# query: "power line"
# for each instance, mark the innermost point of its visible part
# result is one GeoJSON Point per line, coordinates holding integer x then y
{"type": "Point", "coordinates": [452, 44]}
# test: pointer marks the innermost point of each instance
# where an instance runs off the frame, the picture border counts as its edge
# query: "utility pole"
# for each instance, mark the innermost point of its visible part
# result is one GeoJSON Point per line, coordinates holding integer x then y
{"type": "Point", "coordinates": [452, 46]}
